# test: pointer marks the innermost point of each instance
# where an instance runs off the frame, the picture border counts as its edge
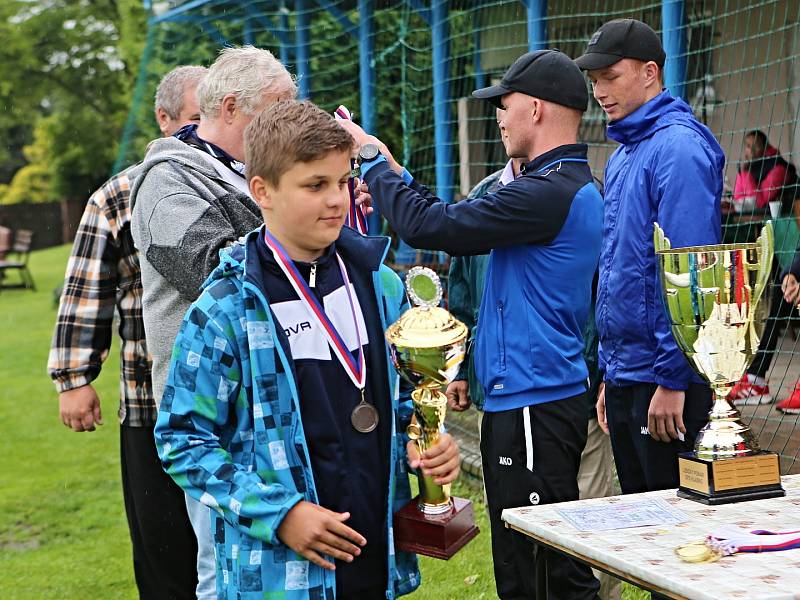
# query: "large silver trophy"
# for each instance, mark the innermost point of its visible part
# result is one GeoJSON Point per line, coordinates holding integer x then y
{"type": "Point", "coordinates": [714, 298]}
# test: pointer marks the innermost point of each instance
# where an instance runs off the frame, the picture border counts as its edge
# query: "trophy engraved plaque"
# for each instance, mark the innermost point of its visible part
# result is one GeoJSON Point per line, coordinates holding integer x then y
{"type": "Point", "coordinates": [427, 348]}
{"type": "Point", "coordinates": [714, 300]}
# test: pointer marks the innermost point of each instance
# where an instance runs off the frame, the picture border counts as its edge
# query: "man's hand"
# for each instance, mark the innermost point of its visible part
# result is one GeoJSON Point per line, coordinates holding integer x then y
{"type": "Point", "coordinates": [363, 197]}
{"type": "Point", "coordinates": [665, 417]}
{"type": "Point", "coordinates": [311, 531]}
{"type": "Point", "coordinates": [791, 289]}
{"type": "Point", "coordinates": [601, 407]}
{"type": "Point", "coordinates": [80, 408]}
{"type": "Point", "coordinates": [442, 461]}
{"type": "Point", "coordinates": [458, 396]}
{"type": "Point", "coordinates": [361, 137]}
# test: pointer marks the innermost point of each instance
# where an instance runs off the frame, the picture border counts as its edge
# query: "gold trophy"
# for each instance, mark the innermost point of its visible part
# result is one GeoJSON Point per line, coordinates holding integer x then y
{"type": "Point", "coordinates": [427, 347]}
{"type": "Point", "coordinates": [714, 300]}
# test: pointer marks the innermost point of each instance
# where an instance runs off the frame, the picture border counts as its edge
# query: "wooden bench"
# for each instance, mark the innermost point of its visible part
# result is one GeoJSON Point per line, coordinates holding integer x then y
{"type": "Point", "coordinates": [21, 249]}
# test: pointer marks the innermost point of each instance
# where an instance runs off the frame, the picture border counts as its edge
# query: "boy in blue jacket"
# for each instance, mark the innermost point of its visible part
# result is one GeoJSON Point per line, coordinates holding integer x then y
{"type": "Point", "coordinates": [668, 169]}
{"type": "Point", "coordinates": [281, 351]}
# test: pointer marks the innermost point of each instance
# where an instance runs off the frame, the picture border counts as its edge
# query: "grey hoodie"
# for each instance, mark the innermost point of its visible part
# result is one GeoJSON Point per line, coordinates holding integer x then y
{"type": "Point", "coordinates": [186, 207]}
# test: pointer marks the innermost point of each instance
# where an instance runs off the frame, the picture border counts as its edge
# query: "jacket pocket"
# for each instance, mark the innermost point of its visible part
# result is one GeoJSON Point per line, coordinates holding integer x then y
{"type": "Point", "coordinates": [501, 337]}
{"type": "Point", "coordinates": [652, 303]}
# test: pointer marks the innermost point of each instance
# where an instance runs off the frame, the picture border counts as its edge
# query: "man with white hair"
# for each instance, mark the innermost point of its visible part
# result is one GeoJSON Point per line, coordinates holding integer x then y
{"type": "Point", "coordinates": [192, 200]}
{"type": "Point", "coordinates": [102, 279]}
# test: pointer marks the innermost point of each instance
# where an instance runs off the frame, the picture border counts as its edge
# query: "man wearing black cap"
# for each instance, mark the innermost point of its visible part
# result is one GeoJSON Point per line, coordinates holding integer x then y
{"type": "Point", "coordinates": [543, 231]}
{"type": "Point", "coordinates": [668, 169]}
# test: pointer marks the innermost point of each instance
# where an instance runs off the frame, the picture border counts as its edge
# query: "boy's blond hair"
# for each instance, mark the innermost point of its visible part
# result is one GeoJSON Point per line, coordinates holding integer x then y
{"type": "Point", "coordinates": [288, 132]}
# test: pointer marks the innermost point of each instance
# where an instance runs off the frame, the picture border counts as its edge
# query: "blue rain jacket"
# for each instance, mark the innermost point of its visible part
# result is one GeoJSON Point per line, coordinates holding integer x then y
{"type": "Point", "coordinates": [667, 170]}
{"type": "Point", "coordinates": [229, 430]}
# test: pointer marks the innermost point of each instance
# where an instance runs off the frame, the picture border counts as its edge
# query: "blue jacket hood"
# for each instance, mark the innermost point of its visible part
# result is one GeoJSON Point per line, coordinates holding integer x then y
{"type": "Point", "coordinates": [662, 111]}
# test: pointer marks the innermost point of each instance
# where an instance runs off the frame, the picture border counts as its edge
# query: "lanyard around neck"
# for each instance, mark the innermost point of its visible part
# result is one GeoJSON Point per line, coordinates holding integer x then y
{"type": "Point", "coordinates": [356, 371]}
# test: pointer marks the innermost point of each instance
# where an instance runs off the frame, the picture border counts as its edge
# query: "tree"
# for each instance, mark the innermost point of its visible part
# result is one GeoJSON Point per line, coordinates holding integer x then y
{"type": "Point", "coordinates": [65, 70]}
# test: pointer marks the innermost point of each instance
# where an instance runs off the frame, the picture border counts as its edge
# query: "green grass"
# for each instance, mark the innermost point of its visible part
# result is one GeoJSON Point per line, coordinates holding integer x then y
{"type": "Point", "coordinates": [469, 573]}
{"type": "Point", "coordinates": [63, 533]}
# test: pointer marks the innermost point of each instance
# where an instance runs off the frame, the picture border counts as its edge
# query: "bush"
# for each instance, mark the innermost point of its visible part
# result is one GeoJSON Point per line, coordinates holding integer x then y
{"type": "Point", "coordinates": [31, 183]}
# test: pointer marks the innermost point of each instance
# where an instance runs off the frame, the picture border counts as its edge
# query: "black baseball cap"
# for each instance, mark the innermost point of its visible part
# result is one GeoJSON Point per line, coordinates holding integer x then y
{"type": "Point", "coordinates": [546, 74]}
{"type": "Point", "coordinates": [618, 39]}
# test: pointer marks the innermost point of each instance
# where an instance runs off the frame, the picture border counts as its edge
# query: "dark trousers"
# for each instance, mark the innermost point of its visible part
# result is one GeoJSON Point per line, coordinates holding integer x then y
{"type": "Point", "coordinates": [164, 544]}
{"type": "Point", "coordinates": [530, 456]}
{"type": "Point", "coordinates": [375, 593]}
{"type": "Point", "coordinates": [779, 314]}
{"type": "Point", "coordinates": [644, 464]}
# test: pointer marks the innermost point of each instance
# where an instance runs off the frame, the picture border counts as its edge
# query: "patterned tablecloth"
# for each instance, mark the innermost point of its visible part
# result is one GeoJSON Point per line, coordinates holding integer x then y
{"type": "Point", "coordinates": [645, 555]}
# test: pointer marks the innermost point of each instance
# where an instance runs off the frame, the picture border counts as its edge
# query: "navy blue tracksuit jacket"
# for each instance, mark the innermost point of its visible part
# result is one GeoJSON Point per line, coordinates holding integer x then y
{"type": "Point", "coordinates": [544, 234]}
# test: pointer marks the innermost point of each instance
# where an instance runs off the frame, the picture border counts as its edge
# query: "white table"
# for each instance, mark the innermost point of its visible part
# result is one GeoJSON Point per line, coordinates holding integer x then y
{"type": "Point", "coordinates": [645, 556]}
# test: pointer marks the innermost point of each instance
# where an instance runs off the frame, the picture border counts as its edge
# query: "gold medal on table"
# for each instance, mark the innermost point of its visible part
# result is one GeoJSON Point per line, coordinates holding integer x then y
{"type": "Point", "coordinates": [364, 416]}
{"type": "Point", "coordinates": [697, 552]}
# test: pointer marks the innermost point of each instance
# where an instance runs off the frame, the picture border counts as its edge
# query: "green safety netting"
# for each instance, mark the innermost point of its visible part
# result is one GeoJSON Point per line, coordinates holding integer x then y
{"type": "Point", "coordinates": [742, 72]}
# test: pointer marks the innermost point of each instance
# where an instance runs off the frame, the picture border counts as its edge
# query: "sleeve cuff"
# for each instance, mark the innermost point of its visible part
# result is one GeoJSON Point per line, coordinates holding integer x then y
{"type": "Point", "coordinates": [65, 383]}
{"type": "Point", "coordinates": [407, 177]}
{"type": "Point", "coordinates": [672, 384]}
{"type": "Point", "coordinates": [367, 165]}
{"type": "Point", "coordinates": [288, 505]}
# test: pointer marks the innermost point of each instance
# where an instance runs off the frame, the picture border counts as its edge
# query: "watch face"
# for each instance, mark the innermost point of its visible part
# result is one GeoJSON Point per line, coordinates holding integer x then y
{"type": "Point", "coordinates": [368, 152]}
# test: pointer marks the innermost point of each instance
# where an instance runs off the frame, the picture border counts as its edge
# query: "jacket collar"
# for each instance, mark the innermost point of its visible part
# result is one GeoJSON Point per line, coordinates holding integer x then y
{"type": "Point", "coordinates": [507, 176]}
{"type": "Point", "coordinates": [566, 151]}
{"type": "Point", "coordinates": [648, 118]}
{"type": "Point", "coordinates": [363, 252]}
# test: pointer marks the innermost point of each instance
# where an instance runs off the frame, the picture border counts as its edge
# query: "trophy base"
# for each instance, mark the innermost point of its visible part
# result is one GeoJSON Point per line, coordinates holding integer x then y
{"type": "Point", "coordinates": [726, 480]}
{"type": "Point", "coordinates": [438, 536]}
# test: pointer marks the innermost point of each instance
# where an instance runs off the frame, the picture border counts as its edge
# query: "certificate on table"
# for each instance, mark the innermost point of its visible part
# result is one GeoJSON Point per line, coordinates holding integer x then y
{"type": "Point", "coordinates": [622, 515]}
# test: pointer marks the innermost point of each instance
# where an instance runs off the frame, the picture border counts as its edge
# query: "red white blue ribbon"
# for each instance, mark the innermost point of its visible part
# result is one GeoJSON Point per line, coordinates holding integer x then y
{"type": "Point", "coordinates": [729, 541]}
{"type": "Point", "coordinates": [356, 218]}
{"type": "Point", "coordinates": [356, 370]}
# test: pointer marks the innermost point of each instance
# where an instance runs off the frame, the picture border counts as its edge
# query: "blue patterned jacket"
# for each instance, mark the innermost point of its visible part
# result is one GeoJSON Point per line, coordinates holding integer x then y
{"type": "Point", "coordinates": [229, 430]}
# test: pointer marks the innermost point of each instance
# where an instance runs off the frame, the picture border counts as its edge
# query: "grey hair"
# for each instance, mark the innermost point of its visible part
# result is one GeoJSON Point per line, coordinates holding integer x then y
{"type": "Point", "coordinates": [172, 86]}
{"type": "Point", "coordinates": [248, 73]}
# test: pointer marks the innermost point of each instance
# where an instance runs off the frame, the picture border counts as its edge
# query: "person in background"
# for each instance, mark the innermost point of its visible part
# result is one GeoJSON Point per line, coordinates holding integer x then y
{"type": "Point", "coordinates": [191, 200]}
{"type": "Point", "coordinates": [767, 179]}
{"type": "Point", "coordinates": [764, 176]}
{"type": "Point", "coordinates": [102, 278]}
{"type": "Point", "coordinates": [668, 169]}
{"type": "Point", "coordinates": [465, 283]}
{"type": "Point", "coordinates": [791, 294]}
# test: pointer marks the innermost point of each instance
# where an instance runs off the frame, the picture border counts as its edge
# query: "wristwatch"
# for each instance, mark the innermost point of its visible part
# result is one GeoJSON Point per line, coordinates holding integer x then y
{"type": "Point", "coordinates": [368, 152]}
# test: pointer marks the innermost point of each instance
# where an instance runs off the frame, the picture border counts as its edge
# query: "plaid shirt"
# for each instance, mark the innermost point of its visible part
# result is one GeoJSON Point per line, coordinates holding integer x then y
{"type": "Point", "coordinates": [103, 275]}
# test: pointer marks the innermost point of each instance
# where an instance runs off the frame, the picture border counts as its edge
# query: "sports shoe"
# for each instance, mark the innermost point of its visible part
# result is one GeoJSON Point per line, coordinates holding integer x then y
{"type": "Point", "coordinates": [747, 392]}
{"type": "Point", "coordinates": [791, 406]}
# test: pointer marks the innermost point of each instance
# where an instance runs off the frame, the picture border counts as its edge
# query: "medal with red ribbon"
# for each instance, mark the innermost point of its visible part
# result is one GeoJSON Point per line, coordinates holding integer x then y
{"type": "Point", "coordinates": [355, 215]}
{"type": "Point", "coordinates": [728, 541]}
{"type": "Point", "coordinates": [364, 416]}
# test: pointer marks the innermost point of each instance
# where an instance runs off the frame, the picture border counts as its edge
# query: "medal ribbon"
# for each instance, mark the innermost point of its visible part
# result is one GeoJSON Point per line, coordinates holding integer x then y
{"type": "Point", "coordinates": [731, 541]}
{"type": "Point", "coordinates": [357, 371]}
{"type": "Point", "coordinates": [355, 215]}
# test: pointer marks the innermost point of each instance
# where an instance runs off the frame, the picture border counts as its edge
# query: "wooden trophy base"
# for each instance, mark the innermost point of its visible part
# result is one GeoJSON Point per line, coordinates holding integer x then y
{"type": "Point", "coordinates": [725, 480]}
{"type": "Point", "coordinates": [439, 536]}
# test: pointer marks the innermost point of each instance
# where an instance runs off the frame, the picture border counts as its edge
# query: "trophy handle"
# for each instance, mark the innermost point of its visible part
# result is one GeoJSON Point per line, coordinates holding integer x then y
{"type": "Point", "coordinates": [660, 241]}
{"type": "Point", "coordinates": [766, 251]}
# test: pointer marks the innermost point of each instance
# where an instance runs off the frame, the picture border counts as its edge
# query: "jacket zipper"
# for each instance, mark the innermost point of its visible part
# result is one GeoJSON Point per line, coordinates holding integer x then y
{"type": "Point", "coordinates": [502, 337]}
{"type": "Point", "coordinates": [312, 277]}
